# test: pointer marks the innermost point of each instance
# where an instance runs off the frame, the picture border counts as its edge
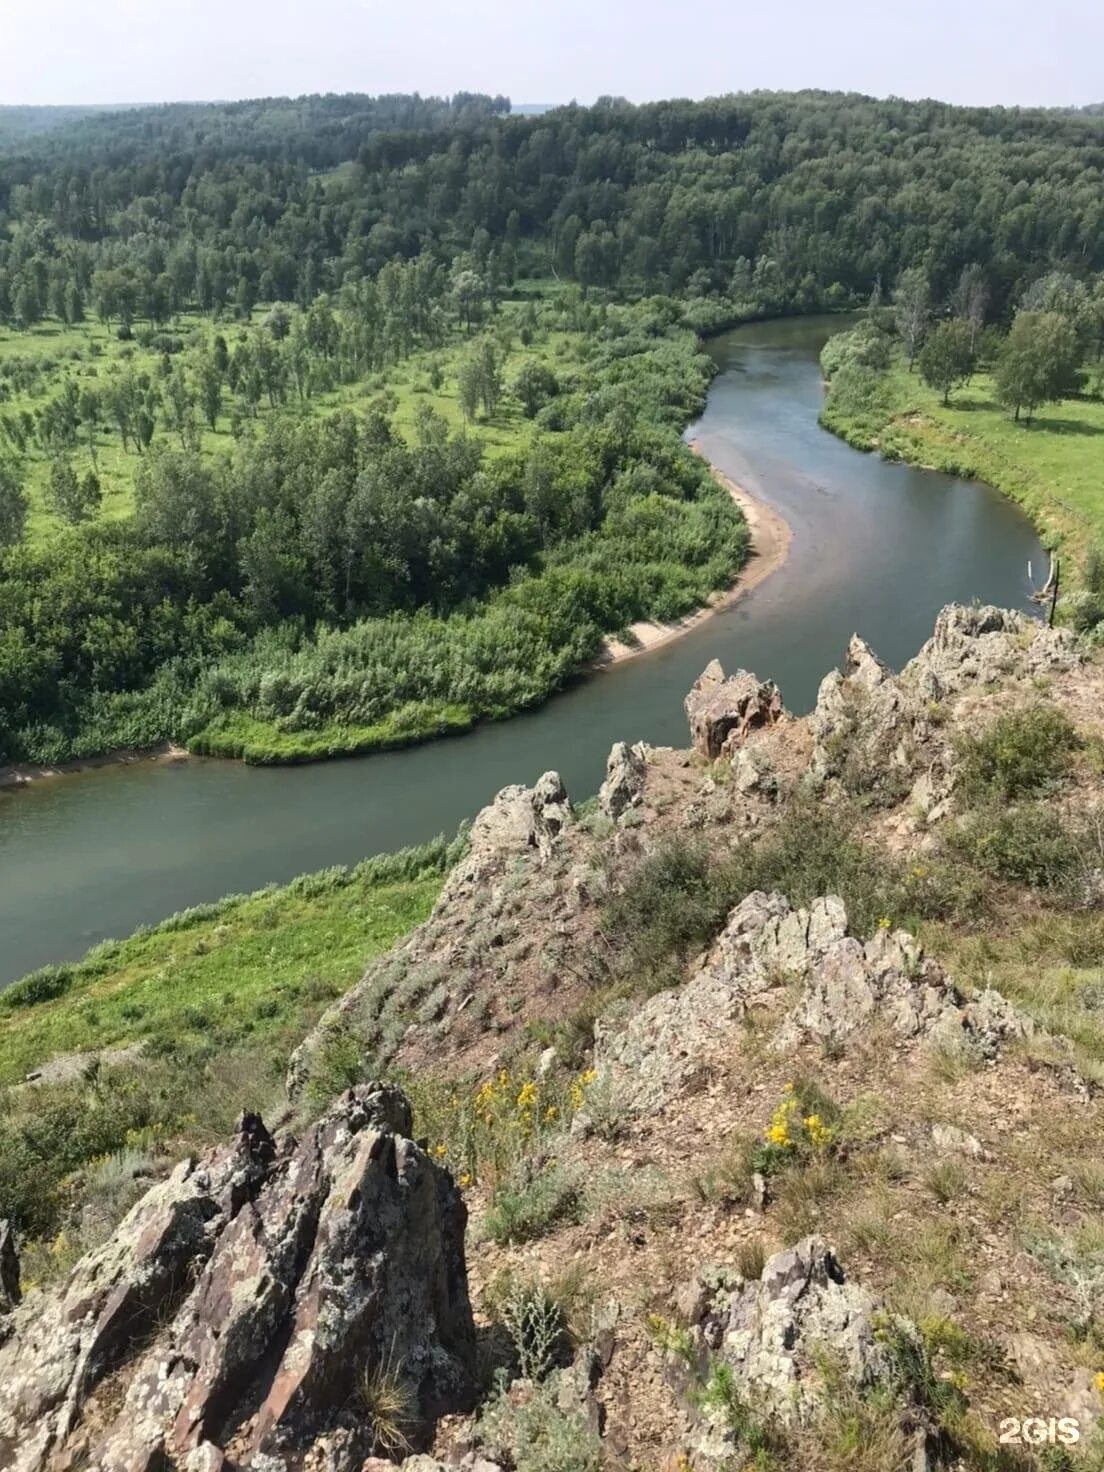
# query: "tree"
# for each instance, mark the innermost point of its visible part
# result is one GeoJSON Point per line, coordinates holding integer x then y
{"type": "Point", "coordinates": [911, 310]}
{"type": "Point", "coordinates": [534, 384]}
{"type": "Point", "coordinates": [1038, 362]}
{"type": "Point", "coordinates": [490, 376]}
{"type": "Point", "coordinates": [970, 299]}
{"type": "Point", "coordinates": [74, 500]}
{"type": "Point", "coordinates": [13, 505]}
{"type": "Point", "coordinates": [469, 384]}
{"type": "Point", "coordinates": [947, 358]}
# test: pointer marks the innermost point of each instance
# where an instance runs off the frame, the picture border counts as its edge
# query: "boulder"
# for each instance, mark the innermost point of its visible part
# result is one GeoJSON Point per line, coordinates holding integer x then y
{"type": "Point", "coordinates": [770, 1334]}
{"type": "Point", "coordinates": [242, 1302]}
{"type": "Point", "coordinates": [723, 709]}
{"type": "Point", "coordinates": [626, 770]}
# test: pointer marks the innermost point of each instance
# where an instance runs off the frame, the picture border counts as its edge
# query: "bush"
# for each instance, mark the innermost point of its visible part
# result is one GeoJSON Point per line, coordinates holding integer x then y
{"type": "Point", "coordinates": [537, 1436]}
{"type": "Point", "coordinates": [530, 1202]}
{"type": "Point", "coordinates": [1021, 753]}
{"type": "Point", "coordinates": [679, 896]}
{"type": "Point", "coordinates": [1029, 844]}
{"type": "Point", "coordinates": [534, 1321]}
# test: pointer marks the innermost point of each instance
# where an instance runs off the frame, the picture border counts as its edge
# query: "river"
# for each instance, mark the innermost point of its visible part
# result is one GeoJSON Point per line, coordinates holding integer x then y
{"type": "Point", "coordinates": [877, 548]}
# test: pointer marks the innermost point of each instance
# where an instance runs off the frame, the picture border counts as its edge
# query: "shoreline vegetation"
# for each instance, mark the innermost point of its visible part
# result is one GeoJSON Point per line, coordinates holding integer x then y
{"type": "Point", "coordinates": [1047, 462]}
{"type": "Point", "coordinates": [771, 536]}
{"type": "Point", "coordinates": [150, 1046]}
{"type": "Point", "coordinates": [769, 548]}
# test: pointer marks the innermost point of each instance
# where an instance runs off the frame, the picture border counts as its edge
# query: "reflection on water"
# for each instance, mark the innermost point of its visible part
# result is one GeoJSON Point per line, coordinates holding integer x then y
{"type": "Point", "coordinates": [877, 549]}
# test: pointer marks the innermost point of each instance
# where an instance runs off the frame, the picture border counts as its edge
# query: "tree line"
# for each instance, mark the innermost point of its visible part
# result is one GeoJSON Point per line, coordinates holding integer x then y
{"type": "Point", "coordinates": [782, 200]}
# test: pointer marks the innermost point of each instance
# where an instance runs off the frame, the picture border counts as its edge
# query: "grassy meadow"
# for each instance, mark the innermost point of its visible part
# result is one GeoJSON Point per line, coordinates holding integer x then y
{"type": "Point", "coordinates": [91, 353]}
{"type": "Point", "coordinates": [1052, 467]}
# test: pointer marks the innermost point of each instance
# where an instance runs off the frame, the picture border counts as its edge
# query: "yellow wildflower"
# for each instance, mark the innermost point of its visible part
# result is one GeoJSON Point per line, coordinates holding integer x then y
{"type": "Point", "coordinates": [465, 1181]}
{"type": "Point", "coordinates": [884, 923]}
{"type": "Point", "coordinates": [550, 1113]}
{"type": "Point", "coordinates": [818, 1132]}
{"type": "Point", "coordinates": [1098, 1381]}
{"type": "Point", "coordinates": [439, 1152]}
{"type": "Point", "coordinates": [527, 1096]}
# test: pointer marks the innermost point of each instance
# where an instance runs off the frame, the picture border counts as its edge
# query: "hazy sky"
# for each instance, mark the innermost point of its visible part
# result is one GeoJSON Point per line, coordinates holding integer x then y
{"type": "Point", "coordinates": [550, 50]}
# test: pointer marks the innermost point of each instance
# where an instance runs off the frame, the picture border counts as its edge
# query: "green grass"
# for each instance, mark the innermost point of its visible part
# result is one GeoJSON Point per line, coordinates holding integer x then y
{"type": "Point", "coordinates": [253, 969]}
{"type": "Point", "coordinates": [259, 743]}
{"type": "Point", "coordinates": [1051, 467]}
{"type": "Point", "coordinates": [91, 354]}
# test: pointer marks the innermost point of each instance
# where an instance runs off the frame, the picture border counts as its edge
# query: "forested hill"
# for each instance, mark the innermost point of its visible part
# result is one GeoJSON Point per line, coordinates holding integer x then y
{"type": "Point", "coordinates": [802, 198]}
{"type": "Point", "coordinates": [332, 422]}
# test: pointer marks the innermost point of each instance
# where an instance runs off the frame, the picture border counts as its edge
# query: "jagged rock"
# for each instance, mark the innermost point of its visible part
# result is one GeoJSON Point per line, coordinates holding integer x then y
{"type": "Point", "coordinates": [770, 1333]}
{"type": "Point", "coordinates": [723, 709]}
{"type": "Point", "coordinates": [518, 819]}
{"type": "Point", "coordinates": [664, 1043]}
{"type": "Point", "coordinates": [270, 1285]}
{"type": "Point", "coordinates": [980, 645]}
{"type": "Point", "coordinates": [626, 768]}
{"type": "Point", "coordinates": [9, 1268]}
{"type": "Point", "coordinates": [890, 978]}
{"type": "Point", "coordinates": [9, 1276]}
{"type": "Point", "coordinates": [865, 727]}
{"type": "Point", "coordinates": [847, 984]}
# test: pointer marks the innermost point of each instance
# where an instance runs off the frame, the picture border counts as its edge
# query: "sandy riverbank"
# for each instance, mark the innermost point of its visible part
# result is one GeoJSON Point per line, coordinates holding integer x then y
{"type": "Point", "coordinates": [21, 774]}
{"type": "Point", "coordinates": [770, 546]}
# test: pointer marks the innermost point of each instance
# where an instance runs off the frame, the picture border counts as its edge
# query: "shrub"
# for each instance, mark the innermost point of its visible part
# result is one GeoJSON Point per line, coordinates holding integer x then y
{"type": "Point", "coordinates": [678, 897]}
{"type": "Point", "coordinates": [534, 1321]}
{"type": "Point", "coordinates": [1021, 753]}
{"type": "Point", "coordinates": [537, 1436]}
{"type": "Point", "coordinates": [530, 1202]}
{"type": "Point", "coordinates": [1028, 844]}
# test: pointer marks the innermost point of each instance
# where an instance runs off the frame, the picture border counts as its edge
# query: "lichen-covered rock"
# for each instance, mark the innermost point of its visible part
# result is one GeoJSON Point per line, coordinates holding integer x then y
{"type": "Point", "coordinates": [866, 727]}
{"type": "Point", "coordinates": [649, 1056]}
{"type": "Point", "coordinates": [773, 1335]}
{"type": "Point", "coordinates": [626, 769]}
{"type": "Point", "coordinates": [270, 1286]}
{"type": "Point", "coordinates": [519, 818]}
{"type": "Point", "coordinates": [977, 646]}
{"type": "Point", "coordinates": [723, 709]}
{"type": "Point", "coordinates": [665, 1042]}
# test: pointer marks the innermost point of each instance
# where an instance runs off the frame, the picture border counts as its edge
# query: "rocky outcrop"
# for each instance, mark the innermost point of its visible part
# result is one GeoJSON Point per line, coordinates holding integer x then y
{"type": "Point", "coordinates": [243, 1302]}
{"type": "Point", "coordinates": [873, 731]}
{"type": "Point", "coordinates": [427, 978]}
{"type": "Point", "coordinates": [519, 818]}
{"type": "Point", "coordinates": [723, 709]}
{"type": "Point", "coordinates": [774, 1334]}
{"type": "Point", "coordinates": [983, 645]}
{"type": "Point", "coordinates": [865, 727]}
{"type": "Point", "coordinates": [847, 984]}
{"type": "Point", "coordinates": [626, 770]}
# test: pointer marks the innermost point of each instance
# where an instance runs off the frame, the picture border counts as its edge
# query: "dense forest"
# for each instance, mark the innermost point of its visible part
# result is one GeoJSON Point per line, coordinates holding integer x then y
{"type": "Point", "coordinates": [222, 524]}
